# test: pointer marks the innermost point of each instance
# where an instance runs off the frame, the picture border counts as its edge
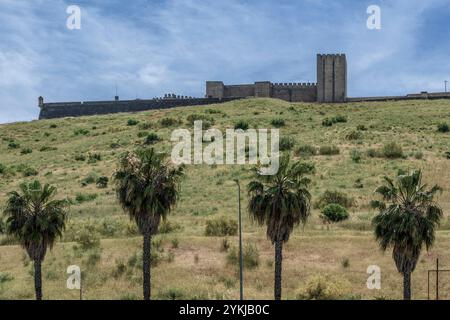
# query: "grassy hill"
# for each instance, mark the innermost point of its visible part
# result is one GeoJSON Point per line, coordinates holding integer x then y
{"type": "Point", "coordinates": [349, 145]}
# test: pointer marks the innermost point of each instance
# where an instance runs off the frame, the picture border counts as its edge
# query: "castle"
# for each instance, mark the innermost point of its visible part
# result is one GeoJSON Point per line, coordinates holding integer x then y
{"type": "Point", "coordinates": [331, 87]}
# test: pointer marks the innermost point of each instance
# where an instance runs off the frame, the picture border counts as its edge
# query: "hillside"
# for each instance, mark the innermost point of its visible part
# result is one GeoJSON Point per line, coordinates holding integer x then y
{"type": "Point", "coordinates": [73, 153]}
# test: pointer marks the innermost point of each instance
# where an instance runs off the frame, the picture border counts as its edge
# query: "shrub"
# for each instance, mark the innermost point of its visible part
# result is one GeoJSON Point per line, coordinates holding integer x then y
{"type": "Point", "coordinates": [47, 148]}
{"type": "Point", "coordinates": [225, 245]}
{"type": "Point", "coordinates": [102, 182]}
{"type": "Point", "coordinates": [334, 213]}
{"type": "Point", "coordinates": [80, 131]}
{"type": "Point", "coordinates": [286, 143]}
{"type": "Point", "coordinates": [329, 150]}
{"type": "Point", "coordinates": [82, 197]}
{"type": "Point", "coordinates": [168, 227]}
{"type": "Point", "coordinates": [221, 227]}
{"type": "Point", "coordinates": [418, 155]}
{"type": "Point", "coordinates": [94, 157]}
{"type": "Point", "coordinates": [324, 287]}
{"type": "Point", "coordinates": [145, 125]}
{"type": "Point", "coordinates": [89, 179]}
{"type": "Point", "coordinates": [334, 197]}
{"type": "Point", "coordinates": [208, 121]}
{"type": "Point", "coordinates": [142, 134]}
{"type": "Point", "coordinates": [392, 150]}
{"type": "Point", "coordinates": [443, 127]}
{"type": "Point", "coordinates": [53, 126]}
{"type": "Point", "coordinates": [175, 243]}
{"type": "Point", "coordinates": [152, 138]}
{"type": "Point", "coordinates": [172, 294]}
{"type": "Point", "coordinates": [447, 154]}
{"type": "Point", "coordinates": [356, 156]}
{"type": "Point", "coordinates": [13, 145]}
{"type": "Point", "coordinates": [167, 122]}
{"type": "Point", "coordinates": [132, 122]}
{"type": "Point", "coordinates": [29, 172]}
{"type": "Point", "coordinates": [361, 127]}
{"type": "Point", "coordinates": [250, 255]}
{"type": "Point", "coordinates": [2, 168]}
{"type": "Point", "coordinates": [277, 123]}
{"type": "Point", "coordinates": [80, 157]}
{"type": "Point", "coordinates": [372, 153]}
{"type": "Point", "coordinates": [306, 150]}
{"type": "Point", "coordinates": [339, 119]}
{"type": "Point", "coordinates": [87, 237]}
{"type": "Point", "coordinates": [354, 135]}
{"type": "Point", "coordinates": [26, 151]}
{"type": "Point", "coordinates": [327, 122]}
{"type": "Point", "coordinates": [241, 124]}
{"type": "Point", "coordinates": [345, 263]}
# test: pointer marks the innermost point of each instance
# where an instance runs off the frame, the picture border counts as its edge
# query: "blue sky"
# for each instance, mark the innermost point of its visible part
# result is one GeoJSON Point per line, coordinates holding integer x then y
{"type": "Point", "coordinates": [154, 47]}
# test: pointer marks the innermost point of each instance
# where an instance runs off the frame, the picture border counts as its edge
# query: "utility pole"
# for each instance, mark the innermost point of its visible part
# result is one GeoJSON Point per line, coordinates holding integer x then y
{"type": "Point", "coordinates": [445, 85]}
{"type": "Point", "coordinates": [241, 260]}
{"type": "Point", "coordinates": [437, 279]}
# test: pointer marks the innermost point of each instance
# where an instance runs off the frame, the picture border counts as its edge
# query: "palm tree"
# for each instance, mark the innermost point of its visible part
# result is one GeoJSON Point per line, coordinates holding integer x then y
{"type": "Point", "coordinates": [281, 202]}
{"type": "Point", "coordinates": [407, 221]}
{"type": "Point", "coordinates": [36, 220]}
{"type": "Point", "coordinates": [147, 188]}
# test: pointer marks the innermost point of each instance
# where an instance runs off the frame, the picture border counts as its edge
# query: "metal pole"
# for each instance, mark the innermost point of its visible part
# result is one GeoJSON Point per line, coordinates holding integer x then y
{"type": "Point", "coordinates": [445, 85]}
{"type": "Point", "coordinates": [437, 278]}
{"type": "Point", "coordinates": [81, 288]}
{"type": "Point", "coordinates": [241, 259]}
{"type": "Point", "coordinates": [428, 285]}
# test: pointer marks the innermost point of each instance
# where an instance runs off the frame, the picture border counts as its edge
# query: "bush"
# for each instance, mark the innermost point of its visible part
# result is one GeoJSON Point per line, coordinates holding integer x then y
{"type": "Point", "coordinates": [53, 126]}
{"type": "Point", "coordinates": [102, 182]}
{"type": "Point", "coordinates": [168, 227]}
{"type": "Point", "coordinates": [324, 287]}
{"type": "Point", "coordinates": [2, 168]}
{"type": "Point", "coordinates": [361, 127]}
{"type": "Point", "coordinates": [372, 153]}
{"type": "Point", "coordinates": [418, 155]}
{"type": "Point", "coordinates": [29, 172]}
{"type": "Point", "coordinates": [82, 197]}
{"type": "Point", "coordinates": [329, 150]}
{"type": "Point", "coordinates": [334, 197]}
{"type": "Point", "coordinates": [80, 132]}
{"type": "Point", "coordinates": [277, 123]}
{"type": "Point", "coordinates": [250, 255]}
{"type": "Point", "coordinates": [286, 143]}
{"type": "Point", "coordinates": [392, 150]}
{"type": "Point", "coordinates": [13, 145]}
{"type": "Point", "coordinates": [168, 122]}
{"type": "Point", "coordinates": [443, 127]}
{"type": "Point", "coordinates": [47, 148]}
{"type": "Point", "coordinates": [89, 179]}
{"type": "Point", "coordinates": [241, 124]}
{"type": "Point", "coordinates": [356, 156]}
{"type": "Point", "coordinates": [327, 122]}
{"type": "Point", "coordinates": [221, 227]}
{"type": "Point", "coordinates": [354, 135]}
{"type": "Point", "coordinates": [447, 154]}
{"type": "Point", "coordinates": [152, 138]}
{"type": "Point", "coordinates": [334, 213]}
{"type": "Point", "coordinates": [87, 238]}
{"type": "Point", "coordinates": [80, 157]}
{"type": "Point", "coordinates": [339, 119]}
{"type": "Point", "coordinates": [208, 121]}
{"type": "Point", "coordinates": [94, 157]}
{"type": "Point", "coordinates": [26, 151]}
{"type": "Point", "coordinates": [306, 150]}
{"type": "Point", "coordinates": [132, 122]}
{"type": "Point", "coordinates": [172, 294]}
{"type": "Point", "coordinates": [142, 134]}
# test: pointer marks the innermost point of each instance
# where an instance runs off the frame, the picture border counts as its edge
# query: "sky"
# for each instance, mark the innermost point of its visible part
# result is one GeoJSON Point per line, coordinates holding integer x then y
{"type": "Point", "coordinates": [151, 47]}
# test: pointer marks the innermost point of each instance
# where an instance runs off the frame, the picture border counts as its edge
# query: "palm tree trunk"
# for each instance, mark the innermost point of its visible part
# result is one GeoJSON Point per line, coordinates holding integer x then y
{"type": "Point", "coordinates": [147, 265]}
{"type": "Point", "coordinates": [407, 285]}
{"type": "Point", "coordinates": [278, 262]}
{"type": "Point", "coordinates": [38, 279]}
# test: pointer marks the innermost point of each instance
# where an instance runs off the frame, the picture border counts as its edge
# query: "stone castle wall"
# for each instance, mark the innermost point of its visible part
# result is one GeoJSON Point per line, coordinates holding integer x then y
{"type": "Point", "coordinates": [293, 92]}
{"type": "Point", "coordinates": [88, 108]}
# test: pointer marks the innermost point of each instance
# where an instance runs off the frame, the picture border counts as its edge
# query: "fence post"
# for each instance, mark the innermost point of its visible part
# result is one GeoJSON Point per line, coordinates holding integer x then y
{"type": "Point", "coordinates": [437, 278]}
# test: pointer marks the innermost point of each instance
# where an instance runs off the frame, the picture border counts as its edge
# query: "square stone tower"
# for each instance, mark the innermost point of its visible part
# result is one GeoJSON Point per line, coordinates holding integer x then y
{"type": "Point", "coordinates": [331, 78]}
